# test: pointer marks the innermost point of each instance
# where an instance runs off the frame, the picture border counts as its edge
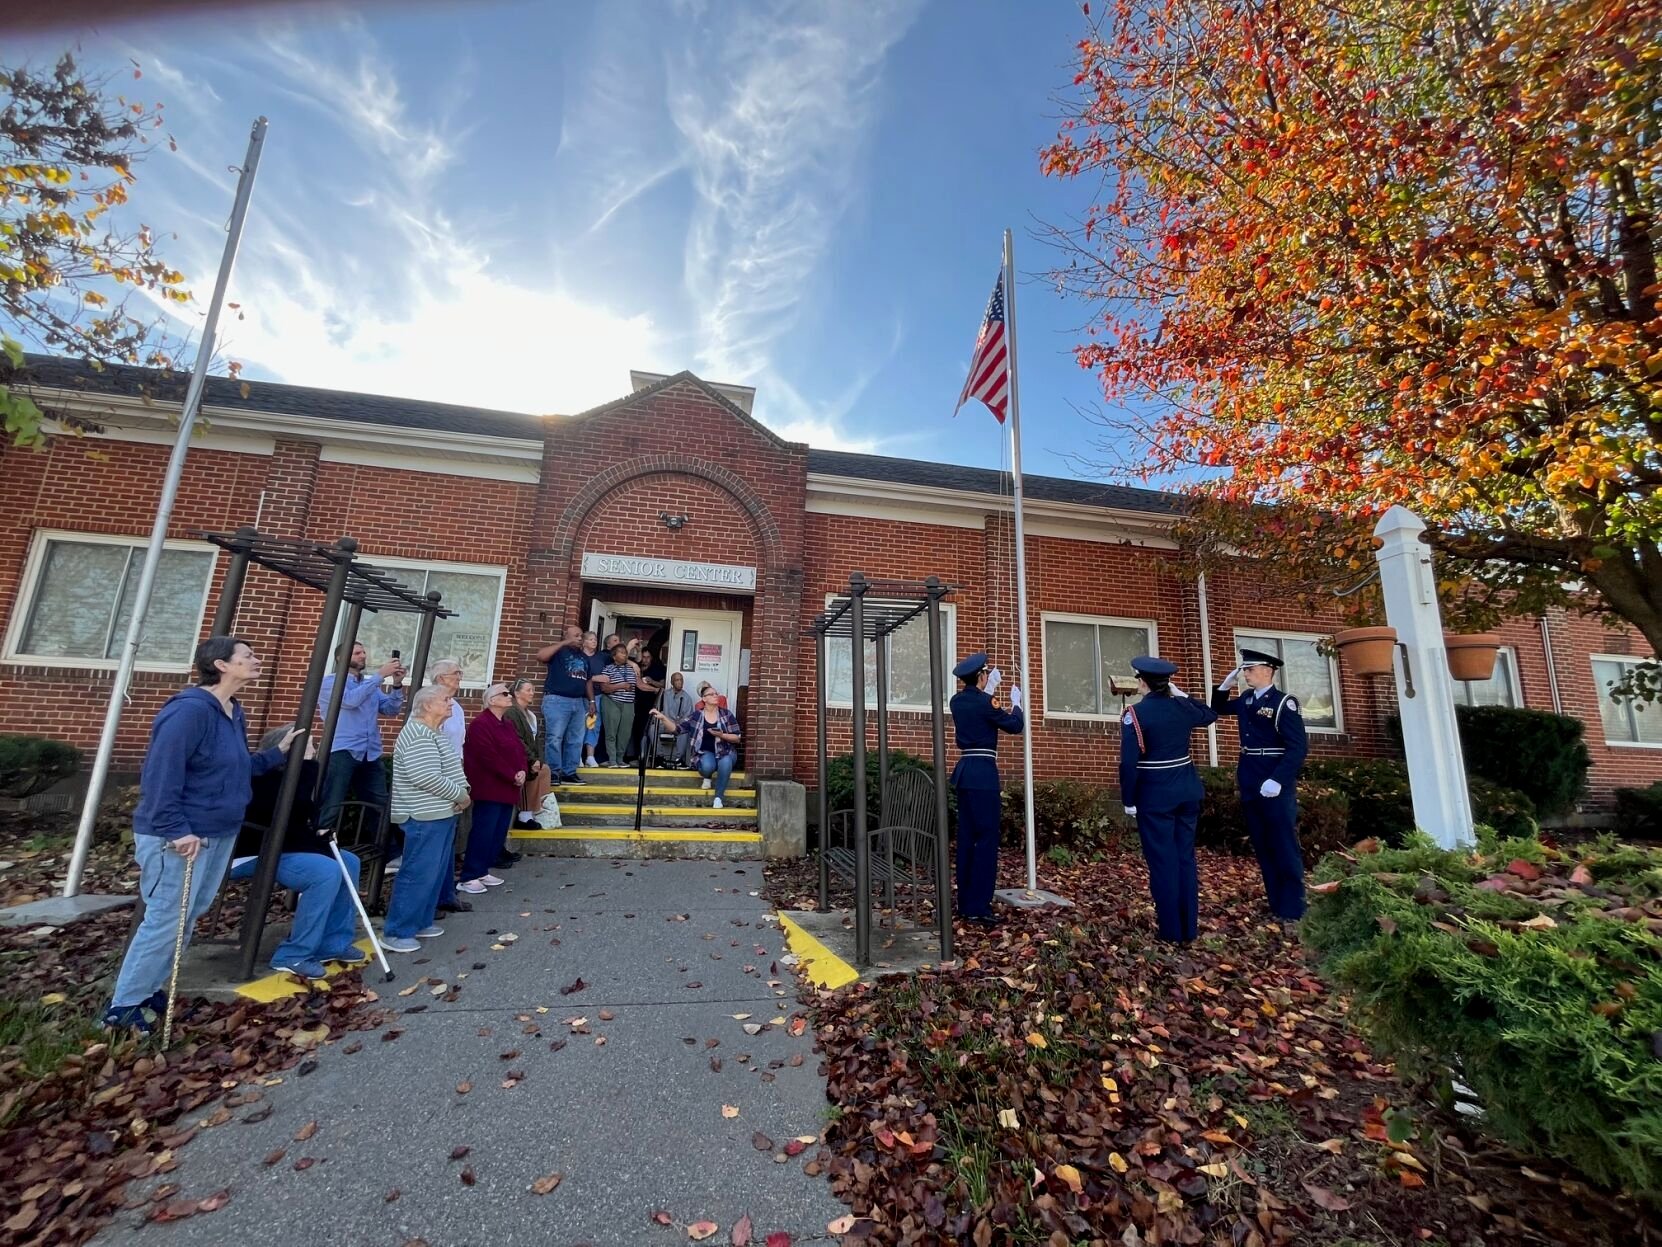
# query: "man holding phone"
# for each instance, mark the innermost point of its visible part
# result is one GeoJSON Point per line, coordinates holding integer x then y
{"type": "Point", "coordinates": [355, 753]}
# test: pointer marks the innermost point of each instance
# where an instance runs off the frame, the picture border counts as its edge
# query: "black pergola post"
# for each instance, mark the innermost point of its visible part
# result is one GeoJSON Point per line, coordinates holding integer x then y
{"type": "Point", "coordinates": [824, 797]}
{"type": "Point", "coordinates": [337, 693]}
{"type": "Point", "coordinates": [424, 643]}
{"type": "Point", "coordinates": [862, 841]}
{"type": "Point", "coordinates": [265, 874]}
{"type": "Point", "coordinates": [880, 647]}
{"type": "Point", "coordinates": [937, 724]}
{"type": "Point", "coordinates": [230, 593]}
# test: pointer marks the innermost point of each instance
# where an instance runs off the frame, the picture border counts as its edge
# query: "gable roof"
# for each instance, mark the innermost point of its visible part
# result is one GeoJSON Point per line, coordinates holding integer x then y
{"type": "Point", "coordinates": [50, 371]}
{"type": "Point", "coordinates": [705, 388]}
{"type": "Point", "coordinates": [986, 481]}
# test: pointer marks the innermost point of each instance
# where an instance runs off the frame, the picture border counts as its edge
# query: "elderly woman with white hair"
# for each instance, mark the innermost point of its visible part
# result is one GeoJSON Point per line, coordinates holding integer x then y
{"type": "Point", "coordinates": [447, 674]}
{"type": "Point", "coordinates": [429, 789]}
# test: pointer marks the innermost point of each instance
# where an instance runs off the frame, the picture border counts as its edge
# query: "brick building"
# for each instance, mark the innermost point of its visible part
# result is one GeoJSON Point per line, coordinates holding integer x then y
{"type": "Point", "coordinates": [669, 510]}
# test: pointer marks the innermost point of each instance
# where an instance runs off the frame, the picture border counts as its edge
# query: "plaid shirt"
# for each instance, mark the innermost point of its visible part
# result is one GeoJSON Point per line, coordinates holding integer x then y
{"type": "Point", "coordinates": [696, 726]}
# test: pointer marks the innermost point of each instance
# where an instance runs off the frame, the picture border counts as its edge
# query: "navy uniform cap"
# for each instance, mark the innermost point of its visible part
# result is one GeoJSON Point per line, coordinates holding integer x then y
{"type": "Point", "coordinates": [1153, 666]}
{"type": "Point", "coordinates": [969, 666]}
{"type": "Point", "coordinates": [1251, 656]}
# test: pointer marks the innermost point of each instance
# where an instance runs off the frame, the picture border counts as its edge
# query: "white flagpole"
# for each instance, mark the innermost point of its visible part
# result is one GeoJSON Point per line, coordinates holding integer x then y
{"type": "Point", "coordinates": [164, 513]}
{"type": "Point", "coordinates": [1021, 564]}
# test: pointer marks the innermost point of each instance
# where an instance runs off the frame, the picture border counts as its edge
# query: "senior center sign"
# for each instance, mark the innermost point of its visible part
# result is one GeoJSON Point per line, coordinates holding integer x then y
{"type": "Point", "coordinates": [628, 569]}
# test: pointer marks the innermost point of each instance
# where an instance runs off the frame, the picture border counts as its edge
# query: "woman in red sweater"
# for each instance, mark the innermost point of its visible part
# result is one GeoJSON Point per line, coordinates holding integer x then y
{"type": "Point", "coordinates": [493, 758]}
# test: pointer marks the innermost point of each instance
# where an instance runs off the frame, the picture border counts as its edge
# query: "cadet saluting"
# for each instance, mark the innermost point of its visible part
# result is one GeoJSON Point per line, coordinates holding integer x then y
{"type": "Point", "coordinates": [1273, 745]}
{"type": "Point", "coordinates": [977, 721]}
{"type": "Point", "coordinates": [1161, 790]}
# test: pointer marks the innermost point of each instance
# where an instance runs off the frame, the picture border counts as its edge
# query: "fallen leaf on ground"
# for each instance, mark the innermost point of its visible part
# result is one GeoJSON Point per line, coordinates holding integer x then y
{"type": "Point", "coordinates": [1327, 1199]}
{"type": "Point", "coordinates": [741, 1232]}
{"type": "Point", "coordinates": [698, 1231]}
{"type": "Point", "coordinates": [727, 1110]}
{"type": "Point", "coordinates": [305, 1132]}
{"type": "Point", "coordinates": [544, 1185]}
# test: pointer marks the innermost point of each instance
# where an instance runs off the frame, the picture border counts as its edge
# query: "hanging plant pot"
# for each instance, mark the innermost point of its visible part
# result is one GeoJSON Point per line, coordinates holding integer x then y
{"type": "Point", "coordinates": [1367, 651]}
{"type": "Point", "coordinates": [1471, 655]}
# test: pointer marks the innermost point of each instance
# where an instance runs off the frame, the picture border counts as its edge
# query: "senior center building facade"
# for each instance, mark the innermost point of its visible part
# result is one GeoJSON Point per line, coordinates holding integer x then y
{"type": "Point", "coordinates": [670, 511]}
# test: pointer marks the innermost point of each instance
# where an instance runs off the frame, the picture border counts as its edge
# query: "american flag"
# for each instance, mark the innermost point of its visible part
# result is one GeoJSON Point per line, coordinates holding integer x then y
{"type": "Point", "coordinates": [989, 371]}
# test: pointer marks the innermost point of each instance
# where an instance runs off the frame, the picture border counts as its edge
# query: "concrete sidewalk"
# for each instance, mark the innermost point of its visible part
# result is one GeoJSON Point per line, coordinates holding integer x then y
{"type": "Point", "coordinates": [670, 951]}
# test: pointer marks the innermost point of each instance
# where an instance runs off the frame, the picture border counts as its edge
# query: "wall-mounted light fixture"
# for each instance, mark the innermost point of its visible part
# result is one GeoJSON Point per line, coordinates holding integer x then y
{"type": "Point", "coordinates": [675, 523]}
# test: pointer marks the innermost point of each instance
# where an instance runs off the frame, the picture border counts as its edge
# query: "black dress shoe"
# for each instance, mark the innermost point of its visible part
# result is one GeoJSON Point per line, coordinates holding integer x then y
{"type": "Point", "coordinates": [505, 859]}
{"type": "Point", "coordinates": [457, 906]}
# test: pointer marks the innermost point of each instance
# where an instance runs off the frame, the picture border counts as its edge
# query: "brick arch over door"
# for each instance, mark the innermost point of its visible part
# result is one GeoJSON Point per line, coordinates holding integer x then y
{"type": "Point", "coordinates": [764, 527]}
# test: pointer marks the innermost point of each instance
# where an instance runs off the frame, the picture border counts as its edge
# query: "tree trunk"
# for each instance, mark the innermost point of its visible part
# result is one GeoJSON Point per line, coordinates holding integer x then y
{"type": "Point", "coordinates": [1627, 585]}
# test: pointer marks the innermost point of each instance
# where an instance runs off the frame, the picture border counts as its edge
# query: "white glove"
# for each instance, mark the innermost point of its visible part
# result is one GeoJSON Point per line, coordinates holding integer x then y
{"type": "Point", "coordinates": [1131, 811]}
{"type": "Point", "coordinates": [995, 677]}
{"type": "Point", "coordinates": [1229, 681]}
{"type": "Point", "coordinates": [1015, 697]}
{"type": "Point", "coordinates": [1175, 691]}
{"type": "Point", "coordinates": [1269, 788]}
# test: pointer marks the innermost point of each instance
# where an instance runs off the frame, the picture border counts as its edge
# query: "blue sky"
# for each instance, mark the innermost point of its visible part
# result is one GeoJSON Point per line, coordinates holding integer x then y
{"type": "Point", "coordinates": [512, 204]}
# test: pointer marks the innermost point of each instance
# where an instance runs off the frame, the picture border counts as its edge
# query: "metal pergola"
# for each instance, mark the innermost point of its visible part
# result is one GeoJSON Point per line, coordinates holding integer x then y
{"type": "Point", "coordinates": [336, 572]}
{"type": "Point", "coordinates": [861, 621]}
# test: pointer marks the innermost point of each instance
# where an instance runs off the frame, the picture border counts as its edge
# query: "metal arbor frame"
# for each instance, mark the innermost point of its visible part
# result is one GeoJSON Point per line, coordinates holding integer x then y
{"type": "Point", "coordinates": [856, 618]}
{"type": "Point", "coordinates": [335, 571]}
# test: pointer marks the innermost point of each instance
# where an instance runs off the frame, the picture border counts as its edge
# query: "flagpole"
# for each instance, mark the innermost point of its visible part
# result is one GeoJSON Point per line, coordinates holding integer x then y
{"type": "Point", "coordinates": [1021, 564]}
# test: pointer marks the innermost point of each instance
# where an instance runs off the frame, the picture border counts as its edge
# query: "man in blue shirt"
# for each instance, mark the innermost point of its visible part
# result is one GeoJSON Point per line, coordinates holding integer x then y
{"type": "Point", "coordinates": [567, 702]}
{"type": "Point", "coordinates": [355, 752]}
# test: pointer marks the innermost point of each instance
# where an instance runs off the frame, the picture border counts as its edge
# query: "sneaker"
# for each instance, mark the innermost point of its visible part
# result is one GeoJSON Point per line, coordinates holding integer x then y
{"type": "Point", "coordinates": [350, 956]}
{"type": "Point", "coordinates": [394, 865]}
{"type": "Point", "coordinates": [454, 907]}
{"type": "Point", "coordinates": [490, 881]}
{"type": "Point", "coordinates": [155, 1002]}
{"type": "Point", "coordinates": [717, 804]}
{"type": "Point", "coordinates": [301, 968]}
{"type": "Point", "coordinates": [574, 781]}
{"type": "Point", "coordinates": [400, 944]}
{"type": "Point", "coordinates": [128, 1017]}
{"type": "Point", "coordinates": [705, 785]}
{"type": "Point", "coordinates": [429, 933]}
{"type": "Point", "coordinates": [471, 886]}
{"type": "Point", "coordinates": [505, 859]}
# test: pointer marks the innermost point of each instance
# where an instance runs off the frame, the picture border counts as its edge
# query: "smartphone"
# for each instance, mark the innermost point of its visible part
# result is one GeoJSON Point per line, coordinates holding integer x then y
{"type": "Point", "coordinates": [395, 654]}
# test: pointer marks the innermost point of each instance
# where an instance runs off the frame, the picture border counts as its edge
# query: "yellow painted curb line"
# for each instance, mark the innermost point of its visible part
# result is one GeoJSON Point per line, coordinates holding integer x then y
{"type": "Point", "coordinates": [629, 833]}
{"type": "Point", "coordinates": [679, 811]}
{"type": "Point", "coordinates": [825, 968]}
{"type": "Point", "coordinates": [276, 986]}
{"type": "Point", "coordinates": [613, 772]}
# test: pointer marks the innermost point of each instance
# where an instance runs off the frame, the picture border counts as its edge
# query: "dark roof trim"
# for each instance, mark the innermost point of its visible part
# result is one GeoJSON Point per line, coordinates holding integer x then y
{"type": "Point", "coordinates": [951, 476]}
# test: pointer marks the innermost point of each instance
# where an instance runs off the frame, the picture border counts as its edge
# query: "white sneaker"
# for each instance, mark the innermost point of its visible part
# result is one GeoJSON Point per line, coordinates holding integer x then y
{"type": "Point", "coordinates": [429, 933]}
{"type": "Point", "coordinates": [705, 784]}
{"type": "Point", "coordinates": [400, 944]}
{"type": "Point", "coordinates": [393, 866]}
{"type": "Point", "coordinates": [471, 886]}
{"type": "Point", "coordinates": [718, 803]}
{"type": "Point", "coordinates": [490, 881]}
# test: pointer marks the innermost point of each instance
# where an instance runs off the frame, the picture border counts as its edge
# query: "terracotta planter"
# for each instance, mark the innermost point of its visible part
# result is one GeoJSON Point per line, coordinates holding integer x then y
{"type": "Point", "coordinates": [1367, 651]}
{"type": "Point", "coordinates": [1471, 656]}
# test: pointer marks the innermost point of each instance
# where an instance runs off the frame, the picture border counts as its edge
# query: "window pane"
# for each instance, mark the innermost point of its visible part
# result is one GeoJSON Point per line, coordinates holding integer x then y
{"type": "Point", "coordinates": [175, 615]}
{"type": "Point", "coordinates": [1607, 674]}
{"type": "Point", "coordinates": [1117, 646]}
{"type": "Point", "coordinates": [381, 632]}
{"type": "Point", "coordinates": [1070, 668]}
{"type": "Point", "coordinates": [909, 663]}
{"type": "Point", "coordinates": [468, 636]}
{"type": "Point", "coordinates": [77, 586]}
{"type": "Point", "coordinates": [1308, 676]}
{"type": "Point", "coordinates": [1648, 718]}
{"type": "Point", "coordinates": [1495, 691]}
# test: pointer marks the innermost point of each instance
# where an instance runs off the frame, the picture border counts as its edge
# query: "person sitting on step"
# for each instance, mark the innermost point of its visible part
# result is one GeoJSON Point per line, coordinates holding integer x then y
{"type": "Point", "coordinates": [715, 738]}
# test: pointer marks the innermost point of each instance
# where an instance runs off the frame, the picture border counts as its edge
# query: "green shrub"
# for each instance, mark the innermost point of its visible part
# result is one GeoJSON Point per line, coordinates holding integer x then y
{"type": "Point", "coordinates": [1323, 816]}
{"type": "Point", "coordinates": [839, 782]}
{"type": "Point", "coordinates": [31, 764]}
{"type": "Point", "coordinates": [1639, 812]}
{"type": "Point", "coordinates": [1083, 818]}
{"type": "Point", "coordinates": [1509, 812]}
{"type": "Point", "coordinates": [1538, 753]}
{"type": "Point", "coordinates": [1543, 996]}
{"type": "Point", "coordinates": [1382, 808]}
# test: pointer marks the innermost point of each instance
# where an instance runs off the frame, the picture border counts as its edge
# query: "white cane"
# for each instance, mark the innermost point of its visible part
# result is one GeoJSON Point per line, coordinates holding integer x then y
{"type": "Point", "coordinates": [357, 901]}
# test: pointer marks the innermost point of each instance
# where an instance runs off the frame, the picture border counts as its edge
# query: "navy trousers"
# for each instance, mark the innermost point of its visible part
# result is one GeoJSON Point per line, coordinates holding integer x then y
{"type": "Point", "coordinates": [978, 815]}
{"type": "Point", "coordinates": [1272, 823]}
{"type": "Point", "coordinates": [1168, 838]}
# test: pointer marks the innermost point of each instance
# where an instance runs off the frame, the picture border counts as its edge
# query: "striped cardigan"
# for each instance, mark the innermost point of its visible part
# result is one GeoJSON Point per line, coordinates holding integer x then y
{"type": "Point", "coordinates": [427, 778]}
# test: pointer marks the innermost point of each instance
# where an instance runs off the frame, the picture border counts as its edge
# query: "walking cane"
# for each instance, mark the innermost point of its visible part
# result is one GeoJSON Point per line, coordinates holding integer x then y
{"type": "Point", "coordinates": [357, 901]}
{"type": "Point", "coordinates": [178, 953]}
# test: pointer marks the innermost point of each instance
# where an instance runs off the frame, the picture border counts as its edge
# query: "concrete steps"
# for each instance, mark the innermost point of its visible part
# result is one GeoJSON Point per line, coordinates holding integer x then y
{"type": "Point", "coordinates": [677, 818]}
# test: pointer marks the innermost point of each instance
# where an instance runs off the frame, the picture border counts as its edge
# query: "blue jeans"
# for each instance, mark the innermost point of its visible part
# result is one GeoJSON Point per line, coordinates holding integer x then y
{"type": "Point", "coordinates": [721, 768]}
{"type": "Point", "coordinates": [566, 718]}
{"type": "Point", "coordinates": [365, 780]}
{"type": "Point", "coordinates": [429, 850]}
{"type": "Point", "coordinates": [149, 959]}
{"type": "Point", "coordinates": [487, 838]}
{"type": "Point", "coordinates": [325, 920]}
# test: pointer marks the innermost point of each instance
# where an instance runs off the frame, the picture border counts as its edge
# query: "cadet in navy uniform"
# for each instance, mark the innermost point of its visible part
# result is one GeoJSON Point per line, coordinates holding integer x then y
{"type": "Point", "coordinates": [1273, 745]}
{"type": "Point", "coordinates": [977, 721]}
{"type": "Point", "coordinates": [1161, 789]}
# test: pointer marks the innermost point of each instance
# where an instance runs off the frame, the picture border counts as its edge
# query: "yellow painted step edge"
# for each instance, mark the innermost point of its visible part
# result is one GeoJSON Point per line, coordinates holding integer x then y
{"type": "Point", "coordinates": [275, 986]}
{"type": "Point", "coordinates": [676, 835]}
{"type": "Point", "coordinates": [680, 811]}
{"type": "Point", "coordinates": [824, 967]}
{"type": "Point", "coordinates": [654, 772]}
{"type": "Point", "coordinates": [572, 794]}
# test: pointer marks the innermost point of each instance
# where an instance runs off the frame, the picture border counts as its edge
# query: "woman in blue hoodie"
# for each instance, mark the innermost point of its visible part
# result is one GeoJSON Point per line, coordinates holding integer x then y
{"type": "Point", "coordinates": [194, 787]}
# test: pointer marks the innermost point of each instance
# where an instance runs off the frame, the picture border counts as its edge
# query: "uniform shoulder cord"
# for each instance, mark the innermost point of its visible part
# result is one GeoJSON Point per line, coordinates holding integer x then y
{"type": "Point", "coordinates": [1137, 727]}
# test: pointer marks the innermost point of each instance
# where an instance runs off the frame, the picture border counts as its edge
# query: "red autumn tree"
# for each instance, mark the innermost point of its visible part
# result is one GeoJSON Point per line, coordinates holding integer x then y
{"type": "Point", "coordinates": [1354, 254]}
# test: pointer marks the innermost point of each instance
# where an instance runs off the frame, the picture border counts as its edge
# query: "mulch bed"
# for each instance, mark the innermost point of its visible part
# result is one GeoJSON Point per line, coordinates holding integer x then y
{"type": "Point", "coordinates": [84, 1112]}
{"type": "Point", "coordinates": [1073, 1081]}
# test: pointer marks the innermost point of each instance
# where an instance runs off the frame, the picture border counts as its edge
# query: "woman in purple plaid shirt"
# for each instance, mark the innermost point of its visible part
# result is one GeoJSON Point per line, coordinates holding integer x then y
{"type": "Point", "coordinates": [715, 736]}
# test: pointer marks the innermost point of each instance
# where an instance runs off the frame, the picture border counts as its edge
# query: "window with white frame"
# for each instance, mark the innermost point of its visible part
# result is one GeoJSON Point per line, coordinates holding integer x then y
{"type": "Point", "coordinates": [1306, 673]}
{"type": "Point", "coordinates": [475, 595]}
{"type": "Point", "coordinates": [1083, 655]}
{"type": "Point", "coordinates": [908, 659]}
{"type": "Point", "coordinates": [77, 601]}
{"type": "Point", "coordinates": [1627, 721]}
{"type": "Point", "coordinates": [1500, 689]}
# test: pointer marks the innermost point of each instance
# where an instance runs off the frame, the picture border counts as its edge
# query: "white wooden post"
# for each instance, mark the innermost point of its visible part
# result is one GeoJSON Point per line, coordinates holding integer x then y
{"type": "Point", "coordinates": [1425, 690]}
